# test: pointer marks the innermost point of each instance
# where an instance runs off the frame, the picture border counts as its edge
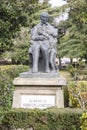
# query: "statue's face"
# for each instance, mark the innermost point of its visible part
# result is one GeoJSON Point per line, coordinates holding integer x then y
{"type": "Point", "coordinates": [44, 18]}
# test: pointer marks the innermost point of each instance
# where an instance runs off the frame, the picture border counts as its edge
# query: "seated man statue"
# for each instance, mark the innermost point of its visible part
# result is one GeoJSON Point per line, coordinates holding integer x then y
{"type": "Point", "coordinates": [43, 45]}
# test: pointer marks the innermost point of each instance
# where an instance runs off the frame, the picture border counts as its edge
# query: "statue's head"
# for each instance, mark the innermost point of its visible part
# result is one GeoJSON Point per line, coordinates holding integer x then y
{"type": "Point", "coordinates": [44, 17]}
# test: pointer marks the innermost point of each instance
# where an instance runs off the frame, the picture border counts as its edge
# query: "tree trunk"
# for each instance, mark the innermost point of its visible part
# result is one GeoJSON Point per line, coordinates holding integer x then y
{"type": "Point", "coordinates": [59, 62]}
{"type": "Point", "coordinates": [71, 60]}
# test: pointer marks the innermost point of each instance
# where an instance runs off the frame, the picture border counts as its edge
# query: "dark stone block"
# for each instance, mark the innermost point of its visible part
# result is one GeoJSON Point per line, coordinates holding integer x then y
{"type": "Point", "coordinates": [39, 75]}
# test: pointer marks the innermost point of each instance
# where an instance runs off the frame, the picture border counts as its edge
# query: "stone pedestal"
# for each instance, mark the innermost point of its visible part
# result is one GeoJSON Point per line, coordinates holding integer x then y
{"type": "Point", "coordinates": [33, 91]}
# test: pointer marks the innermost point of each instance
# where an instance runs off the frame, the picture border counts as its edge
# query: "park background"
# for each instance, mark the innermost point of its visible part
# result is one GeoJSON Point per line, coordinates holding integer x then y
{"type": "Point", "coordinates": [16, 19]}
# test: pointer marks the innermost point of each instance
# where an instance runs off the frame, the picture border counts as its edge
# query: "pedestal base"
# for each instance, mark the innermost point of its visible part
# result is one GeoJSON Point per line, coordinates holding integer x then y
{"type": "Point", "coordinates": [38, 92]}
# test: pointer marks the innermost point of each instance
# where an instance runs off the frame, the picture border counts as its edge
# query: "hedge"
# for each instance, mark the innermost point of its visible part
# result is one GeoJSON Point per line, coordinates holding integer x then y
{"type": "Point", "coordinates": [48, 119]}
{"type": "Point", "coordinates": [7, 74]}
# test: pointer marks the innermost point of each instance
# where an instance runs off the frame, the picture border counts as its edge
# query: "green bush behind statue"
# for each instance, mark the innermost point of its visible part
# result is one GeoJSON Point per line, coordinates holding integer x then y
{"type": "Point", "coordinates": [7, 74]}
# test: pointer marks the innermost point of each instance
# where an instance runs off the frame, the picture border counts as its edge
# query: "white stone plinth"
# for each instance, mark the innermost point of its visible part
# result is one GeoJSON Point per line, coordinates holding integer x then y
{"type": "Point", "coordinates": [38, 92]}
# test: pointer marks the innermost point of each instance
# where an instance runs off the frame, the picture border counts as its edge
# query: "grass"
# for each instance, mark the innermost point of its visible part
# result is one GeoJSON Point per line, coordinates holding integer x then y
{"type": "Point", "coordinates": [66, 74]}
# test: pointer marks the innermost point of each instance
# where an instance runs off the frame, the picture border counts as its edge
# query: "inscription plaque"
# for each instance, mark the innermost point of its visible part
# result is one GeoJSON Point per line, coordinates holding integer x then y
{"type": "Point", "coordinates": [37, 101]}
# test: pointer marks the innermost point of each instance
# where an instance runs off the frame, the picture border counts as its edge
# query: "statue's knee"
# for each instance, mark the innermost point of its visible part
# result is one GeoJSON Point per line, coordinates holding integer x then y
{"type": "Point", "coordinates": [44, 47]}
{"type": "Point", "coordinates": [46, 50]}
{"type": "Point", "coordinates": [36, 49]}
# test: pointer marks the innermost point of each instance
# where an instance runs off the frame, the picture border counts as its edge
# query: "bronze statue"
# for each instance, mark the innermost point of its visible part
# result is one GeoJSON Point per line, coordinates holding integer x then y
{"type": "Point", "coordinates": [43, 46]}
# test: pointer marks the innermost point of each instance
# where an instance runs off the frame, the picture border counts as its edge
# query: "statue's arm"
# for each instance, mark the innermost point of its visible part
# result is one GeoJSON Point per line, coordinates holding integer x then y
{"type": "Point", "coordinates": [53, 31]}
{"type": "Point", "coordinates": [35, 35]}
{"type": "Point", "coordinates": [43, 33]}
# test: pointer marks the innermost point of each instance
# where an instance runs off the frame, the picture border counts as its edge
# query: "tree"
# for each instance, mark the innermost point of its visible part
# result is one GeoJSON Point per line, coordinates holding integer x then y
{"type": "Point", "coordinates": [13, 15]}
{"type": "Point", "coordinates": [79, 19]}
{"type": "Point", "coordinates": [74, 43]}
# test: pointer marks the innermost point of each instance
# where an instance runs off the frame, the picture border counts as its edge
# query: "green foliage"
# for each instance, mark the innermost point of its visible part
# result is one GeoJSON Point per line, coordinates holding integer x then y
{"type": "Point", "coordinates": [49, 119]}
{"type": "Point", "coordinates": [74, 42]}
{"type": "Point", "coordinates": [78, 93]}
{"type": "Point", "coordinates": [78, 71]}
{"type": "Point", "coordinates": [77, 87]}
{"type": "Point", "coordinates": [72, 70]}
{"type": "Point", "coordinates": [11, 18]}
{"type": "Point", "coordinates": [84, 121]}
{"type": "Point", "coordinates": [66, 96]}
{"type": "Point", "coordinates": [1, 118]}
{"type": "Point", "coordinates": [13, 15]}
{"type": "Point", "coordinates": [78, 11]}
{"type": "Point", "coordinates": [17, 16]}
{"type": "Point", "coordinates": [7, 74]}
{"type": "Point", "coordinates": [73, 102]}
{"type": "Point", "coordinates": [19, 53]}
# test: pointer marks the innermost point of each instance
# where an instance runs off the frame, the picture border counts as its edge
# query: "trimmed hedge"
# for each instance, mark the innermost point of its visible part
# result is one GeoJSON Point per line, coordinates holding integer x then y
{"type": "Point", "coordinates": [48, 119]}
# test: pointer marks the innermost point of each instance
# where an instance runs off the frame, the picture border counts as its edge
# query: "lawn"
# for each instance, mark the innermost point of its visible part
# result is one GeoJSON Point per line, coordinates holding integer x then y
{"type": "Point", "coordinates": [65, 73]}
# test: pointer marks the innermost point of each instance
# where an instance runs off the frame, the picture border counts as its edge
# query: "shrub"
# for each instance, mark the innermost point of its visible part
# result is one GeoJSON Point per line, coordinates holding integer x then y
{"type": "Point", "coordinates": [78, 93]}
{"type": "Point", "coordinates": [7, 74]}
{"type": "Point", "coordinates": [84, 121]}
{"type": "Point", "coordinates": [2, 127]}
{"type": "Point", "coordinates": [66, 96]}
{"type": "Point", "coordinates": [72, 70]}
{"type": "Point", "coordinates": [48, 119]}
{"type": "Point", "coordinates": [73, 102]}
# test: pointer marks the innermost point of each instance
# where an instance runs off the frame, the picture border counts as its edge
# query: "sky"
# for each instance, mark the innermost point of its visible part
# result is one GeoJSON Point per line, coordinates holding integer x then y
{"type": "Point", "coordinates": [56, 2]}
